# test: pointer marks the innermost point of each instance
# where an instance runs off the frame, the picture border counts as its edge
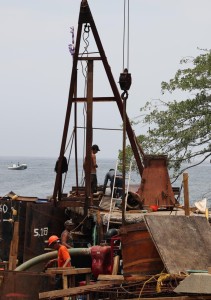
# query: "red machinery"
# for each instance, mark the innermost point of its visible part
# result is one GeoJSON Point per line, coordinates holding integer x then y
{"type": "Point", "coordinates": [101, 260]}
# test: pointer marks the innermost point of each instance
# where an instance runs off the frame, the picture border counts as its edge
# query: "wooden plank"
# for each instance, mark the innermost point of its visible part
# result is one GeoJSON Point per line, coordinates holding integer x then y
{"type": "Point", "coordinates": [65, 284]}
{"type": "Point", "coordinates": [136, 278]}
{"type": "Point", "coordinates": [68, 276]}
{"type": "Point", "coordinates": [116, 265]}
{"type": "Point", "coordinates": [69, 271]}
{"type": "Point", "coordinates": [26, 199]}
{"type": "Point", "coordinates": [103, 277]}
{"type": "Point", "coordinates": [59, 268]}
{"type": "Point", "coordinates": [75, 291]}
{"type": "Point", "coordinates": [167, 298]}
{"type": "Point", "coordinates": [183, 243]}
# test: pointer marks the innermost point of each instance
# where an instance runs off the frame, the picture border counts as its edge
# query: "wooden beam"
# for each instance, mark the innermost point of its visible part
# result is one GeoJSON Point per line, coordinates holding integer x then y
{"type": "Point", "coordinates": [102, 277]}
{"type": "Point", "coordinates": [89, 58]}
{"type": "Point", "coordinates": [26, 199]}
{"type": "Point", "coordinates": [116, 265]}
{"type": "Point", "coordinates": [95, 99]}
{"type": "Point", "coordinates": [68, 271]}
{"type": "Point", "coordinates": [14, 247]}
{"type": "Point", "coordinates": [75, 291]}
{"type": "Point", "coordinates": [186, 194]}
{"type": "Point", "coordinates": [194, 297]}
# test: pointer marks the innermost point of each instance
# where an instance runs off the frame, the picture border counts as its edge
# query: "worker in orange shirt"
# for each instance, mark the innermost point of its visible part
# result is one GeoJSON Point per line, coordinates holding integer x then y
{"type": "Point", "coordinates": [64, 259]}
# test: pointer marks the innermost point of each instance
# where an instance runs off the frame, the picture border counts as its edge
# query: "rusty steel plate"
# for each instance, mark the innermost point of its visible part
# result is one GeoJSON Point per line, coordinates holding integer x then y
{"type": "Point", "coordinates": [25, 285]}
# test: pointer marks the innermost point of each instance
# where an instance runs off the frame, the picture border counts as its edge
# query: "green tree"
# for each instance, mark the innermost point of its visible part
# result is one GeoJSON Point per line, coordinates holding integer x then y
{"type": "Point", "coordinates": [181, 129]}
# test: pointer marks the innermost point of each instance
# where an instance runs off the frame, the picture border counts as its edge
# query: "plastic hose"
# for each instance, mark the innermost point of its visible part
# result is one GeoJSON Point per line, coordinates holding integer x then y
{"type": "Point", "coordinates": [47, 256]}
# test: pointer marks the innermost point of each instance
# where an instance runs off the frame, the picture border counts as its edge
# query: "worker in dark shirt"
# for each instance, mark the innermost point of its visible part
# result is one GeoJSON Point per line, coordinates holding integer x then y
{"type": "Point", "coordinates": [66, 236]}
{"type": "Point", "coordinates": [118, 183]}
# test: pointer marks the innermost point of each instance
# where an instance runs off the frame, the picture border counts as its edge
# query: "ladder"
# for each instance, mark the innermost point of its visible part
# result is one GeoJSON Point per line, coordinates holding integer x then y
{"type": "Point", "coordinates": [115, 198]}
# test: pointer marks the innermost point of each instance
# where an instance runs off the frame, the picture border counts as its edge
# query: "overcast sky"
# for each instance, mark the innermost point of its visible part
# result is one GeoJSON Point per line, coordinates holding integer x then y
{"type": "Point", "coordinates": [35, 65]}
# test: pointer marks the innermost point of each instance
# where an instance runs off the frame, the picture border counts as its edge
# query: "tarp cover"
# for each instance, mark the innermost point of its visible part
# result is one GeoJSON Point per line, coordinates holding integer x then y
{"type": "Point", "coordinates": [184, 243]}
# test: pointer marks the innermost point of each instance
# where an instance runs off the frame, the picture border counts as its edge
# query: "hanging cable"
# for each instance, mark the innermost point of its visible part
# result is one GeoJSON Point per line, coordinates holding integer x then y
{"type": "Point", "coordinates": [126, 29]}
{"type": "Point", "coordinates": [128, 34]}
{"type": "Point", "coordinates": [125, 83]}
{"type": "Point", "coordinates": [125, 77]}
{"type": "Point", "coordinates": [123, 46]}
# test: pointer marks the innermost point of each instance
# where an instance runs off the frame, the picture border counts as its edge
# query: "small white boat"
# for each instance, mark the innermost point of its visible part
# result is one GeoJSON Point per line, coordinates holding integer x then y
{"type": "Point", "coordinates": [17, 167]}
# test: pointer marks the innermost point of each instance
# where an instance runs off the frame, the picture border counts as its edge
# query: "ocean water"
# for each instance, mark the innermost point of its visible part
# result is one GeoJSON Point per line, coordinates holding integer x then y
{"type": "Point", "coordinates": [39, 178]}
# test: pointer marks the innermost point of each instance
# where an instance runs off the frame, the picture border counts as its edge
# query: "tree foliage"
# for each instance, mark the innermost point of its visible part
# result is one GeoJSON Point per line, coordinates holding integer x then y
{"type": "Point", "coordinates": [182, 129]}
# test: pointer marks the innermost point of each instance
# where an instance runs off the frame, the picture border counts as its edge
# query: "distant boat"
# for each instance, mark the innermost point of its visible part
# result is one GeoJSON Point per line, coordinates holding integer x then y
{"type": "Point", "coordinates": [17, 167]}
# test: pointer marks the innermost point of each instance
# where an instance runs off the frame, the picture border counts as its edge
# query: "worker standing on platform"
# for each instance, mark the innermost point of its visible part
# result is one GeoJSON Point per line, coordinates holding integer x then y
{"type": "Point", "coordinates": [66, 236]}
{"type": "Point", "coordinates": [94, 167]}
{"type": "Point", "coordinates": [95, 149]}
{"type": "Point", "coordinates": [110, 175]}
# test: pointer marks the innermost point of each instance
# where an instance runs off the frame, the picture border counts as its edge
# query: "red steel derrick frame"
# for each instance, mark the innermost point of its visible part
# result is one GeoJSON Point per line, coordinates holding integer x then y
{"type": "Point", "coordinates": [85, 17]}
{"type": "Point", "coordinates": [151, 191]}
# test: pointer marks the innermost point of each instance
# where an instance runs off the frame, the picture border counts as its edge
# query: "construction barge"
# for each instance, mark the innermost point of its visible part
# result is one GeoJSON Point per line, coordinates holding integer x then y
{"type": "Point", "coordinates": [145, 248]}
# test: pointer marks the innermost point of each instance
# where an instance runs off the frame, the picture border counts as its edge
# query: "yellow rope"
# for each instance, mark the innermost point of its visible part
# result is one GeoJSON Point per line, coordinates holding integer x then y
{"type": "Point", "coordinates": [160, 278]}
{"type": "Point", "coordinates": [159, 281]}
{"type": "Point", "coordinates": [153, 277]}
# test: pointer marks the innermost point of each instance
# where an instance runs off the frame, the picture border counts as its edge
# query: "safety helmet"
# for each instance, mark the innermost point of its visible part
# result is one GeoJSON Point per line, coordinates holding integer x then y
{"type": "Point", "coordinates": [52, 239]}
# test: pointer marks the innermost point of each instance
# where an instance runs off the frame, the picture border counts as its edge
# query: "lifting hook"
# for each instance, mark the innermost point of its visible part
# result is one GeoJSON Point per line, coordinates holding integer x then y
{"type": "Point", "coordinates": [124, 95]}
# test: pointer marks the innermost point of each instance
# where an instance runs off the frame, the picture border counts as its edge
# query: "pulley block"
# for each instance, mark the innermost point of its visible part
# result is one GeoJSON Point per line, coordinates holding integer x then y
{"type": "Point", "coordinates": [125, 80]}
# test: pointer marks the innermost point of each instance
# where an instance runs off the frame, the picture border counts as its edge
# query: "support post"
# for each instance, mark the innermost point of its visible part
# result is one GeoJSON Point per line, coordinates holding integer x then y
{"type": "Point", "coordinates": [14, 247]}
{"type": "Point", "coordinates": [89, 135]}
{"type": "Point", "coordinates": [186, 194]}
